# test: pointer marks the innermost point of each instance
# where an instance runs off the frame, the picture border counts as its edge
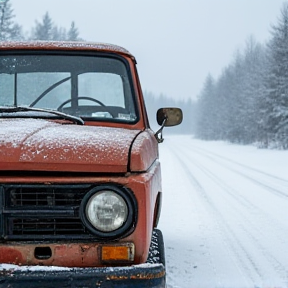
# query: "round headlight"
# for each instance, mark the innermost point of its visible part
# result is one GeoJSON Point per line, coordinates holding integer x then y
{"type": "Point", "coordinates": [109, 211]}
{"type": "Point", "coordinates": [106, 211]}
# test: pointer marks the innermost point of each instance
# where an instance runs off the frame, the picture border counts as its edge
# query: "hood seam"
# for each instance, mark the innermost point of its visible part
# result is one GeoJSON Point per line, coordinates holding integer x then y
{"type": "Point", "coordinates": [130, 151]}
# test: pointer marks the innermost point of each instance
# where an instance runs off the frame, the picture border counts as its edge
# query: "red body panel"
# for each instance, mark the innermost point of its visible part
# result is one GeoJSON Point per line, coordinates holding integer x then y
{"type": "Point", "coordinates": [144, 151]}
{"type": "Point", "coordinates": [41, 145]}
{"type": "Point", "coordinates": [34, 151]}
{"type": "Point", "coordinates": [145, 187]}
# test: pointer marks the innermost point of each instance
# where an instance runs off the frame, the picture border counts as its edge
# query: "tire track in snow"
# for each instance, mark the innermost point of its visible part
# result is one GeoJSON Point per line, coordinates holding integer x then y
{"type": "Point", "coordinates": [213, 156]}
{"type": "Point", "coordinates": [181, 246]}
{"type": "Point", "coordinates": [235, 194]}
{"type": "Point", "coordinates": [276, 228]}
{"type": "Point", "coordinates": [285, 181]}
{"type": "Point", "coordinates": [268, 187]}
{"type": "Point", "coordinates": [235, 245]}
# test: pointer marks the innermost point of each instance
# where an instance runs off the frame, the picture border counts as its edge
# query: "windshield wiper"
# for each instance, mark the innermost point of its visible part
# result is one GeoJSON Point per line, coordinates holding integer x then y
{"type": "Point", "coordinates": [75, 119]}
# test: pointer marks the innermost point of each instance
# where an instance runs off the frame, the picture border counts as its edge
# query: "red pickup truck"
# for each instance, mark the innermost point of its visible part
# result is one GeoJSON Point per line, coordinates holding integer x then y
{"type": "Point", "coordinates": [80, 182]}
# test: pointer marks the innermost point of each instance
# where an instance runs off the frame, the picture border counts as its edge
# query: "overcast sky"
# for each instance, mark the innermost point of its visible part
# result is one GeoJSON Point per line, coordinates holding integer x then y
{"type": "Point", "coordinates": [176, 42]}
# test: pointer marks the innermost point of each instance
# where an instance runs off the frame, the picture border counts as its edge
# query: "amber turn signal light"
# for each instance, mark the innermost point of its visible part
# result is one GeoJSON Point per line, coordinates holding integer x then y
{"type": "Point", "coordinates": [118, 253]}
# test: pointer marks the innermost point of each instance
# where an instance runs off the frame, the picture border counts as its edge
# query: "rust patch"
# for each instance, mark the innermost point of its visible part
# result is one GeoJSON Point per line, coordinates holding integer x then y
{"type": "Point", "coordinates": [10, 255]}
{"type": "Point", "coordinates": [148, 276]}
{"type": "Point", "coordinates": [114, 277]}
{"type": "Point", "coordinates": [143, 276]}
{"type": "Point", "coordinates": [84, 248]}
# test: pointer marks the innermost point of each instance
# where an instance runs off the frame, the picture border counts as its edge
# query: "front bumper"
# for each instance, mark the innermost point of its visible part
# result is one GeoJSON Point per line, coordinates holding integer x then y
{"type": "Point", "coordinates": [143, 275]}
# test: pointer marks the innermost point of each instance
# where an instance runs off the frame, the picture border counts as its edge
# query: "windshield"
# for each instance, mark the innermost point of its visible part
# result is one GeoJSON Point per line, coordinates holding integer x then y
{"type": "Point", "coordinates": [90, 87]}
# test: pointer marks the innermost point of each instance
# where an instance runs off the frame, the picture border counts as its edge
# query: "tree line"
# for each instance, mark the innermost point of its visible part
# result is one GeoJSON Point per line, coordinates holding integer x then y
{"type": "Point", "coordinates": [248, 103]}
{"type": "Point", "coordinates": [45, 29]}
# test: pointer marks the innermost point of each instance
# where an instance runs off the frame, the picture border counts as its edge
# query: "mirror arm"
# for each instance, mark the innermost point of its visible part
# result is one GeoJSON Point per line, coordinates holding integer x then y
{"type": "Point", "coordinates": [158, 134]}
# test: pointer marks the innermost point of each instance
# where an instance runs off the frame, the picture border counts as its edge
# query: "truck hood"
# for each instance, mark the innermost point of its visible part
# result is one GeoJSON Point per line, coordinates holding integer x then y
{"type": "Point", "coordinates": [42, 145]}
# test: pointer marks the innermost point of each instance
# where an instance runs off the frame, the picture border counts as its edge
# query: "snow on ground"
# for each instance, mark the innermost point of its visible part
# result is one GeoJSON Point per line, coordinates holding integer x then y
{"type": "Point", "coordinates": [224, 214]}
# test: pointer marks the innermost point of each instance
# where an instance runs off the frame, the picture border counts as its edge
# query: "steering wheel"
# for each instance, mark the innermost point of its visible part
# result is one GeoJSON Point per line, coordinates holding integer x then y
{"type": "Point", "coordinates": [80, 98]}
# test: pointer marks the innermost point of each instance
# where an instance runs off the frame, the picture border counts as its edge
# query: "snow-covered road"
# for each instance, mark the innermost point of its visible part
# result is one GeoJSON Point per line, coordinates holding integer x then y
{"type": "Point", "coordinates": [224, 214]}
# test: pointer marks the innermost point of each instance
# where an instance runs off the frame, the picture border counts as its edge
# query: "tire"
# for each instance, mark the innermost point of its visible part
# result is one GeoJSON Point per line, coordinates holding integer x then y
{"type": "Point", "coordinates": [156, 251]}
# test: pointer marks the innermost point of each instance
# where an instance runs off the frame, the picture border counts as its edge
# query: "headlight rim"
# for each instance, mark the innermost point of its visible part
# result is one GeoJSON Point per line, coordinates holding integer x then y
{"type": "Point", "coordinates": [129, 225]}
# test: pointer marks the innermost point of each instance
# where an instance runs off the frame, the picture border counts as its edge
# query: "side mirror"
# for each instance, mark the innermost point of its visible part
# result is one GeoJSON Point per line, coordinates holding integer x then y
{"type": "Point", "coordinates": [173, 116]}
{"type": "Point", "coordinates": [167, 117]}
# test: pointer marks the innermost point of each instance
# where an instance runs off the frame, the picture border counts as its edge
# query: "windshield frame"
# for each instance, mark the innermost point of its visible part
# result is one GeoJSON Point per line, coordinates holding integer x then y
{"type": "Point", "coordinates": [103, 54]}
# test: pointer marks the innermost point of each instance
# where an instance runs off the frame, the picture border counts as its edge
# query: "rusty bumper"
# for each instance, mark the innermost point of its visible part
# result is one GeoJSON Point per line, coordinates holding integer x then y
{"type": "Point", "coordinates": [145, 275]}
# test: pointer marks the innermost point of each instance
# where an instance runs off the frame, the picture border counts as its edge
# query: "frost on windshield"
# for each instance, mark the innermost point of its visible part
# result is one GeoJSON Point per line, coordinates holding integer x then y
{"type": "Point", "coordinates": [89, 87]}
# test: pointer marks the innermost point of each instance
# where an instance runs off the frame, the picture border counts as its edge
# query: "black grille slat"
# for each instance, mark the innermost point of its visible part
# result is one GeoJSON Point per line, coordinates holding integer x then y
{"type": "Point", "coordinates": [34, 212]}
{"type": "Point", "coordinates": [50, 226]}
{"type": "Point", "coordinates": [35, 196]}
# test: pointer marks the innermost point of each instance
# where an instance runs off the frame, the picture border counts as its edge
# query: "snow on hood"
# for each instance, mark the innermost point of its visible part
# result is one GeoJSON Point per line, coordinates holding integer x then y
{"type": "Point", "coordinates": [37, 144]}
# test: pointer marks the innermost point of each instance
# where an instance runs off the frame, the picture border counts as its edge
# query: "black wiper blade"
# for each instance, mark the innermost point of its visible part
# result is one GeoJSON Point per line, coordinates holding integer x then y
{"type": "Point", "coordinates": [75, 119]}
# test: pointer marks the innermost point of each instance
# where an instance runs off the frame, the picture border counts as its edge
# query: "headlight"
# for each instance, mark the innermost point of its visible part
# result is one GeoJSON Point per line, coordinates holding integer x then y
{"type": "Point", "coordinates": [108, 211]}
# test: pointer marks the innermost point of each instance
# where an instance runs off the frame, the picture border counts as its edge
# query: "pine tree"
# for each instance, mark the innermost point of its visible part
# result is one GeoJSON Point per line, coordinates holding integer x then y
{"type": "Point", "coordinates": [250, 91]}
{"type": "Point", "coordinates": [9, 30]}
{"type": "Point", "coordinates": [276, 100]}
{"type": "Point", "coordinates": [255, 65]}
{"type": "Point", "coordinates": [58, 33]}
{"type": "Point", "coordinates": [227, 103]}
{"type": "Point", "coordinates": [44, 30]}
{"type": "Point", "coordinates": [73, 33]}
{"type": "Point", "coordinates": [206, 111]}
{"type": "Point", "coordinates": [235, 101]}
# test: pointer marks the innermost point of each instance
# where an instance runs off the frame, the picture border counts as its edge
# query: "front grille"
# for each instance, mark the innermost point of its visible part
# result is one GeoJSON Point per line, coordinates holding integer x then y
{"type": "Point", "coordinates": [20, 196]}
{"type": "Point", "coordinates": [37, 212]}
{"type": "Point", "coordinates": [54, 226]}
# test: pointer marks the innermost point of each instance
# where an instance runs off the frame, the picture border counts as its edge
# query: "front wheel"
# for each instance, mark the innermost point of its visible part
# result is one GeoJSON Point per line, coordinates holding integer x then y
{"type": "Point", "coordinates": [156, 251]}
